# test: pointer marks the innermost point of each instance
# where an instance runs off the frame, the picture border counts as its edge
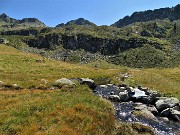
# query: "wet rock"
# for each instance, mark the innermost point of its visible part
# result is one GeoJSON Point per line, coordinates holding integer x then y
{"type": "Point", "coordinates": [124, 97]}
{"type": "Point", "coordinates": [88, 82]}
{"type": "Point", "coordinates": [175, 115]}
{"type": "Point", "coordinates": [166, 112]}
{"type": "Point", "coordinates": [152, 109]}
{"type": "Point", "coordinates": [115, 98]}
{"type": "Point", "coordinates": [145, 89]}
{"type": "Point", "coordinates": [164, 103]}
{"type": "Point", "coordinates": [139, 94]}
{"type": "Point", "coordinates": [64, 81]}
{"type": "Point", "coordinates": [103, 86]}
{"type": "Point", "coordinates": [149, 115]}
{"type": "Point", "coordinates": [177, 108]}
{"type": "Point", "coordinates": [146, 114]}
{"type": "Point", "coordinates": [164, 119]}
{"type": "Point", "coordinates": [122, 88]}
{"type": "Point", "coordinates": [112, 93]}
{"type": "Point", "coordinates": [141, 107]}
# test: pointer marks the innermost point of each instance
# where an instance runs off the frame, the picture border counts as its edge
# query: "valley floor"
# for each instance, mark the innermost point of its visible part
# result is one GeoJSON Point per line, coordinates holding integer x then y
{"type": "Point", "coordinates": [73, 110]}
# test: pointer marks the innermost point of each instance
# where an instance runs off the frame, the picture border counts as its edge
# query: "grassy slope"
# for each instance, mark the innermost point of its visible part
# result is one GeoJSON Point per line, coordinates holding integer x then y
{"type": "Point", "coordinates": [166, 80]}
{"type": "Point", "coordinates": [69, 110]}
{"type": "Point", "coordinates": [20, 68]}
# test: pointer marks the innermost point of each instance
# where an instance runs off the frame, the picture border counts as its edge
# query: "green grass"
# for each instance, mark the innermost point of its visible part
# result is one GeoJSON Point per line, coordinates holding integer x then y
{"type": "Point", "coordinates": [73, 111]}
{"type": "Point", "coordinates": [20, 68]}
{"type": "Point", "coordinates": [69, 110]}
{"type": "Point", "coordinates": [165, 80]}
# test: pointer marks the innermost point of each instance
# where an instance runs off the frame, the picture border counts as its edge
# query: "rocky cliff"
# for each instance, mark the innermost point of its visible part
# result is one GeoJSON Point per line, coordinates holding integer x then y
{"type": "Point", "coordinates": [162, 13]}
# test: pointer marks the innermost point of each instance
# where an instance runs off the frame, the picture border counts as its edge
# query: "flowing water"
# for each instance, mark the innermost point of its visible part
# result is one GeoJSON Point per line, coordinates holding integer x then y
{"type": "Point", "coordinates": [124, 113]}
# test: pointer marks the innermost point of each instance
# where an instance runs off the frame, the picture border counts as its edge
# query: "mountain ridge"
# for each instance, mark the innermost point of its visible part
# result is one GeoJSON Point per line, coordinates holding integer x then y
{"type": "Point", "coordinates": [79, 21]}
{"type": "Point", "coordinates": [11, 22]}
{"type": "Point", "coordinates": [148, 15]}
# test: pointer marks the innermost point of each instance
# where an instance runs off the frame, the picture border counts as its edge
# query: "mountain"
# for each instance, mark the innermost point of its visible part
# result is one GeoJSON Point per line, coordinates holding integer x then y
{"type": "Point", "coordinates": [144, 16]}
{"type": "Point", "coordinates": [7, 22]}
{"type": "Point", "coordinates": [79, 21]}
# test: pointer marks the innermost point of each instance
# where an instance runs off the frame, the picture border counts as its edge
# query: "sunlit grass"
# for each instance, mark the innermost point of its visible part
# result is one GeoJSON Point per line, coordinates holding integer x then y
{"type": "Point", "coordinates": [20, 68]}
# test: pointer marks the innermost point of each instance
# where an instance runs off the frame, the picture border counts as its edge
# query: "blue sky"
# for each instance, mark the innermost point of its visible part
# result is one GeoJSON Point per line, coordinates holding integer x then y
{"type": "Point", "coordinates": [101, 12]}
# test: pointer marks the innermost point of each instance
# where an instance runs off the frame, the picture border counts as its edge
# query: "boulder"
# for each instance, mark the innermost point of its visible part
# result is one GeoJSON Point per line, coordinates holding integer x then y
{"type": "Point", "coordinates": [164, 103]}
{"type": "Point", "coordinates": [177, 108]}
{"type": "Point", "coordinates": [64, 81]}
{"type": "Point", "coordinates": [164, 119]}
{"type": "Point", "coordinates": [141, 107]}
{"type": "Point", "coordinates": [88, 82]}
{"type": "Point", "coordinates": [115, 98]}
{"type": "Point", "coordinates": [146, 114]}
{"type": "Point", "coordinates": [139, 94]}
{"type": "Point", "coordinates": [152, 109]}
{"type": "Point", "coordinates": [166, 112]}
{"type": "Point", "coordinates": [124, 97]}
{"type": "Point", "coordinates": [175, 115]}
{"type": "Point", "coordinates": [149, 115]}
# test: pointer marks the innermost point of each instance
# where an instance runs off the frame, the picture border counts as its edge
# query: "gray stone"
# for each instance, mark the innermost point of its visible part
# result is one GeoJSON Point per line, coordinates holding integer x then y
{"type": "Point", "coordinates": [139, 94]}
{"type": "Point", "coordinates": [103, 86]}
{"type": "Point", "coordinates": [164, 103]}
{"type": "Point", "coordinates": [141, 107]}
{"type": "Point", "coordinates": [166, 112]}
{"type": "Point", "coordinates": [149, 115]}
{"type": "Point", "coordinates": [88, 82]}
{"type": "Point", "coordinates": [114, 97]}
{"type": "Point", "coordinates": [175, 115]}
{"type": "Point", "coordinates": [152, 109]}
{"type": "Point", "coordinates": [124, 97]}
{"type": "Point", "coordinates": [177, 108]}
{"type": "Point", "coordinates": [64, 81]}
{"type": "Point", "coordinates": [164, 119]}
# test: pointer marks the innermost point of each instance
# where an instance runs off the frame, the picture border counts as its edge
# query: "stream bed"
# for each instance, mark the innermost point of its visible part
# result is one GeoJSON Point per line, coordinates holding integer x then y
{"type": "Point", "coordinates": [124, 112]}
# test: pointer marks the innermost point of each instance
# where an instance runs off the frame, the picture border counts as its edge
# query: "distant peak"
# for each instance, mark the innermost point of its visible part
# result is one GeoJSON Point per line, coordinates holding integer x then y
{"type": "Point", "coordinates": [79, 21]}
{"type": "Point", "coordinates": [3, 15]}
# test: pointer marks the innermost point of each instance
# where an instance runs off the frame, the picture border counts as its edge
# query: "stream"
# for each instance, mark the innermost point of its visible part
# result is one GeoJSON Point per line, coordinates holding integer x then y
{"type": "Point", "coordinates": [124, 113]}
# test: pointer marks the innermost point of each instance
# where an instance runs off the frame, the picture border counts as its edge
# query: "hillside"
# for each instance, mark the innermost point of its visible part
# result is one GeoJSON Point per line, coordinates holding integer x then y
{"type": "Point", "coordinates": [79, 43]}
{"type": "Point", "coordinates": [149, 15]}
{"type": "Point", "coordinates": [64, 110]}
